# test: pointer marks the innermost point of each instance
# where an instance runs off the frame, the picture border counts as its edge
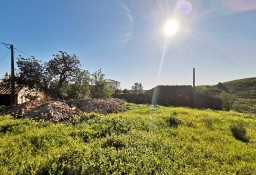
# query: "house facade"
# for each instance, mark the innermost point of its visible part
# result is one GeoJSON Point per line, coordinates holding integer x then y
{"type": "Point", "coordinates": [112, 83]}
{"type": "Point", "coordinates": [22, 95]}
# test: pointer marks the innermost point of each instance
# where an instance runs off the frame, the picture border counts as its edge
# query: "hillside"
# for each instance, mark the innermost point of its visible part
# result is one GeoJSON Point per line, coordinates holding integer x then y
{"type": "Point", "coordinates": [142, 140]}
{"type": "Point", "coordinates": [244, 91]}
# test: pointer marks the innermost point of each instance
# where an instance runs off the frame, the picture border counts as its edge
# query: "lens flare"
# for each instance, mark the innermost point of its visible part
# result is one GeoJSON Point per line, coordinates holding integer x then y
{"type": "Point", "coordinates": [171, 27]}
{"type": "Point", "coordinates": [185, 6]}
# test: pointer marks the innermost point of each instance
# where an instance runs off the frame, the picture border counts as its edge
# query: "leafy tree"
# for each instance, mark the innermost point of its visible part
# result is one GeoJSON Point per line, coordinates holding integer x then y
{"type": "Point", "coordinates": [59, 78]}
{"type": "Point", "coordinates": [80, 89]}
{"type": "Point", "coordinates": [99, 88]}
{"type": "Point", "coordinates": [137, 88]}
{"type": "Point", "coordinates": [31, 72]}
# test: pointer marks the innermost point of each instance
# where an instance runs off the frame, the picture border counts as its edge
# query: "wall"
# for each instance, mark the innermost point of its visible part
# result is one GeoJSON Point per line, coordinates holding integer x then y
{"type": "Point", "coordinates": [173, 96]}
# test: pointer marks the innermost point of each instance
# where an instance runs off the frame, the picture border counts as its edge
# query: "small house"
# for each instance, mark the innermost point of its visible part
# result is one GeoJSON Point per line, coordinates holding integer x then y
{"type": "Point", "coordinates": [22, 95]}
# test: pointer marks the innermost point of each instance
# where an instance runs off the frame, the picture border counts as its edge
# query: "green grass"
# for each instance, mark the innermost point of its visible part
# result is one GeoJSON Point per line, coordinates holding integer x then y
{"type": "Point", "coordinates": [243, 90]}
{"type": "Point", "coordinates": [143, 140]}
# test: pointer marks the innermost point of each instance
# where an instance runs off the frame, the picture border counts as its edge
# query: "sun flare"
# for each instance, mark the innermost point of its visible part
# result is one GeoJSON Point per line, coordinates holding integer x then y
{"type": "Point", "coordinates": [171, 27]}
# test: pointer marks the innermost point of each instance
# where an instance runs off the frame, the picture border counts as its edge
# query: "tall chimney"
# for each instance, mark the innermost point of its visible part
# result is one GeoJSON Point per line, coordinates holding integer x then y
{"type": "Point", "coordinates": [194, 77]}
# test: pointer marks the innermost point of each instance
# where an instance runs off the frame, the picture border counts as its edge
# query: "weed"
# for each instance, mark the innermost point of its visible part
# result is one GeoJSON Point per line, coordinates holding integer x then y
{"type": "Point", "coordinates": [174, 122]}
{"type": "Point", "coordinates": [239, 132]}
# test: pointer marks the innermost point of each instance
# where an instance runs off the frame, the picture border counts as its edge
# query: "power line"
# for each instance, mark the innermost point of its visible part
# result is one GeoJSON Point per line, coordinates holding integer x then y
{"type": "Point", "coordinates": [8, 46]}
{"type": "Point", "coordinates": [22, 52]}
{"type": "Point", "coordinates": [5, 56]}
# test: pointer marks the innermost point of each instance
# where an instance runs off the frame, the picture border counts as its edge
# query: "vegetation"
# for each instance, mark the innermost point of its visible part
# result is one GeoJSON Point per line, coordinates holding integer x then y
{"type": "Point", "coordinates": [239, 95]}
{"type": "Point", "coordinates": [227, 101]}
{"type": "Point", "coordinates": [99, 88]}
{"type": "Point", "coordinates": [137, 88]}
{"type": "Point", "coordinates": [62, 78]}
{"type": "Point", "coordinates": [239, 131]}
{"type": "Point", "coordinates": [142, 140]}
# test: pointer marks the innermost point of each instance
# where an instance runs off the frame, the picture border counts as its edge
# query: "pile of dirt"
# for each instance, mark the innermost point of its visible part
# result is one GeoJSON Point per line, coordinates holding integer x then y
{"type": "Point", "coordinates": [51, 111]}
{"type": "Point", "coordinates": [103, 106]}
{"type": "Point", "coordinates": [60, 111]}
{"type": "Point", "coordinates": [22, 109]}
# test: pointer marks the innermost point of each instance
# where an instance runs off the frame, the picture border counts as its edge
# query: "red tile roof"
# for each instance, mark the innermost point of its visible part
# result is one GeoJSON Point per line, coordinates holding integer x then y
{"type": "Point", "coordinates": [5, 90]}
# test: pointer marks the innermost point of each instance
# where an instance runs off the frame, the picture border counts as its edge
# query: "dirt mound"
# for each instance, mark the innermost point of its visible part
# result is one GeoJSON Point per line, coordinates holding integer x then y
{"type": "Point", "coordinates": [52, 111]}
{"type": "Point", "coordinates": [103, 106]}
{"type": "Point", "coordinates": [59, 111]}
{"type": "Point", "coordinates": [22, 109]}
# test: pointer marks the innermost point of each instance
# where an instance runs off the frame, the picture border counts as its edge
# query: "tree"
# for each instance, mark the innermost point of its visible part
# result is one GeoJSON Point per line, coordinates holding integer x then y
{"type": "Point", "coordinates": [62, 69]}
{"type": "Point", "coordinates": [80, 89]}
{"type": "Point", "coordinates": [58, 78]}
{"type": "Point", "coordinates": [99, 88]}
{"type": "Point", "coordinates": [31, 72]}
{"type": "Point", "coordinates": [137, 88]}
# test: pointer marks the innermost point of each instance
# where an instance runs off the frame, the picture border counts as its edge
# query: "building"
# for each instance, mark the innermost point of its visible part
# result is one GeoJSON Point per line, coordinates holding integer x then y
{"type": "Point", "coordinates": [112, 83]}
{"type": "Point", "coordinates": [22, 95]}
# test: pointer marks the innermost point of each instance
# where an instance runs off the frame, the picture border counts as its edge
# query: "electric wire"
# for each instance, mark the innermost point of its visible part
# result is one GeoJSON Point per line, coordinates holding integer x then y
{"type": "Point", "coordinates": [5, 56]}
{"type": "Point", "coordinates": [23, 52]}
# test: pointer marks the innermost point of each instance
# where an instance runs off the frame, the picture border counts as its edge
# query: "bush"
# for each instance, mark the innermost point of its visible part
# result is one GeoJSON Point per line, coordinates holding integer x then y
{"type": "Point", "coordinates": [174, 122]}
{"type": "Point", "coordinates": [239, 132]}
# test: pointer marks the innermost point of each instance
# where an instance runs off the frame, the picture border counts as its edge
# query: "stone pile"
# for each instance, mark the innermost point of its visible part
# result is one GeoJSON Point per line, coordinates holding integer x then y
{"type": "Point", "coordinates": [103, 106]}
{"type": "Point", "coordinates": [58, 111]}
{"type": "Point", "coordinates": [53, 111]}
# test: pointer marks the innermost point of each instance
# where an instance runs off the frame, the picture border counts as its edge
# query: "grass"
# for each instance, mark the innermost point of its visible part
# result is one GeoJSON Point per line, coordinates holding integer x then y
{"type": "Point", "coordinates": [141, 140]}
{"type": "Point", "coordinates": [243, 90]}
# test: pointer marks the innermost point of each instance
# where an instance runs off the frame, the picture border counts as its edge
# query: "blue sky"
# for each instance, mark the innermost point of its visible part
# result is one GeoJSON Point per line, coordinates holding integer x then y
{"type": "Point", "coordinates": [124, 38]}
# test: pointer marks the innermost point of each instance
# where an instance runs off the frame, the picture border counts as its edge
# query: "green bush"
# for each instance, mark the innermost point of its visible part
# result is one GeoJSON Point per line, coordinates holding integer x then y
{"type": "Point", "coordinates": [239, 132]}
{"type": "Point", "coordinates": [174, 122]}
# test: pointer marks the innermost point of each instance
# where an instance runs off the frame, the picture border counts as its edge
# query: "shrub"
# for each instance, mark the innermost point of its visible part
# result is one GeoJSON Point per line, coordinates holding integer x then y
{"type": "Point", "coordinates": [239, 132]}
{"type": "Point", "coordinates": [174, 122]}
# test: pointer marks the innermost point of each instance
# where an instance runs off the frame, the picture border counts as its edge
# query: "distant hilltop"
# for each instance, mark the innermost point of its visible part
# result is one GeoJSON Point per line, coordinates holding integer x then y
{"type": "Point", "coordinates": [242, 90]}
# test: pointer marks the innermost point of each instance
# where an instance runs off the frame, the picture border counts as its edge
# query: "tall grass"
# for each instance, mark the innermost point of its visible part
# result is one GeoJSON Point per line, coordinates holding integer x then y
{"type": "Point", "coordinates": [141, 140]}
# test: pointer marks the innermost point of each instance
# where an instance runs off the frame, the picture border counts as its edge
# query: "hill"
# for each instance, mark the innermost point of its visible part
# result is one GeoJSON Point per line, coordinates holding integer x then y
{"type": "Point", "coordinates": [244, 91]}
{"type": "Point", "coordinates": [142, 140]}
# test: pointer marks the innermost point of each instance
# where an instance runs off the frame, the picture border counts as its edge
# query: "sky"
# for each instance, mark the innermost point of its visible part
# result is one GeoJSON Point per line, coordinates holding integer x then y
{"type": "Point", "coordinates": [125, 38]}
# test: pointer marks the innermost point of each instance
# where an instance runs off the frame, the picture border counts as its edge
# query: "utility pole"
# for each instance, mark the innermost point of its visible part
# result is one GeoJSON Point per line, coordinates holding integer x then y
{"type": "Point", "coordinates": [12, 77]}
{"type": "Point", "coordinates": [194, 78]}
{"type": "Point", "coordinates": [10, 46]}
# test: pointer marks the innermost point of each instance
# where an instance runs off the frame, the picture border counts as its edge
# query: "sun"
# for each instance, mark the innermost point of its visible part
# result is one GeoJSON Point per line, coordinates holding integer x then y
{"type": "Point", "coordinates": [171, 27]}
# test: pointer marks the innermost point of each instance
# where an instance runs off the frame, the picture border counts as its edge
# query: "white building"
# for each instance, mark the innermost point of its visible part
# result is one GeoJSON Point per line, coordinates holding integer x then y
{"type": "Point", "coordinates": [112, 83]}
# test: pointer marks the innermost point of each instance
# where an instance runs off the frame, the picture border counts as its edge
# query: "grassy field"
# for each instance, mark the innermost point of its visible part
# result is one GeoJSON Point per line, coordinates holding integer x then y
{"type": "Point", "coordinates": [142, 140]}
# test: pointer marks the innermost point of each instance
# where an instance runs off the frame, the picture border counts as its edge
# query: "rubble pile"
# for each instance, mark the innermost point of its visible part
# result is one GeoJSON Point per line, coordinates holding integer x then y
{"type": "Point", "coordinates": [60, 111]}
{"type": "Point", "coordinates": [103, 106]}
{"type": "Point", "coordinates": [23, 108]}
{"type": "Point", "coordinates": [53, 111]}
